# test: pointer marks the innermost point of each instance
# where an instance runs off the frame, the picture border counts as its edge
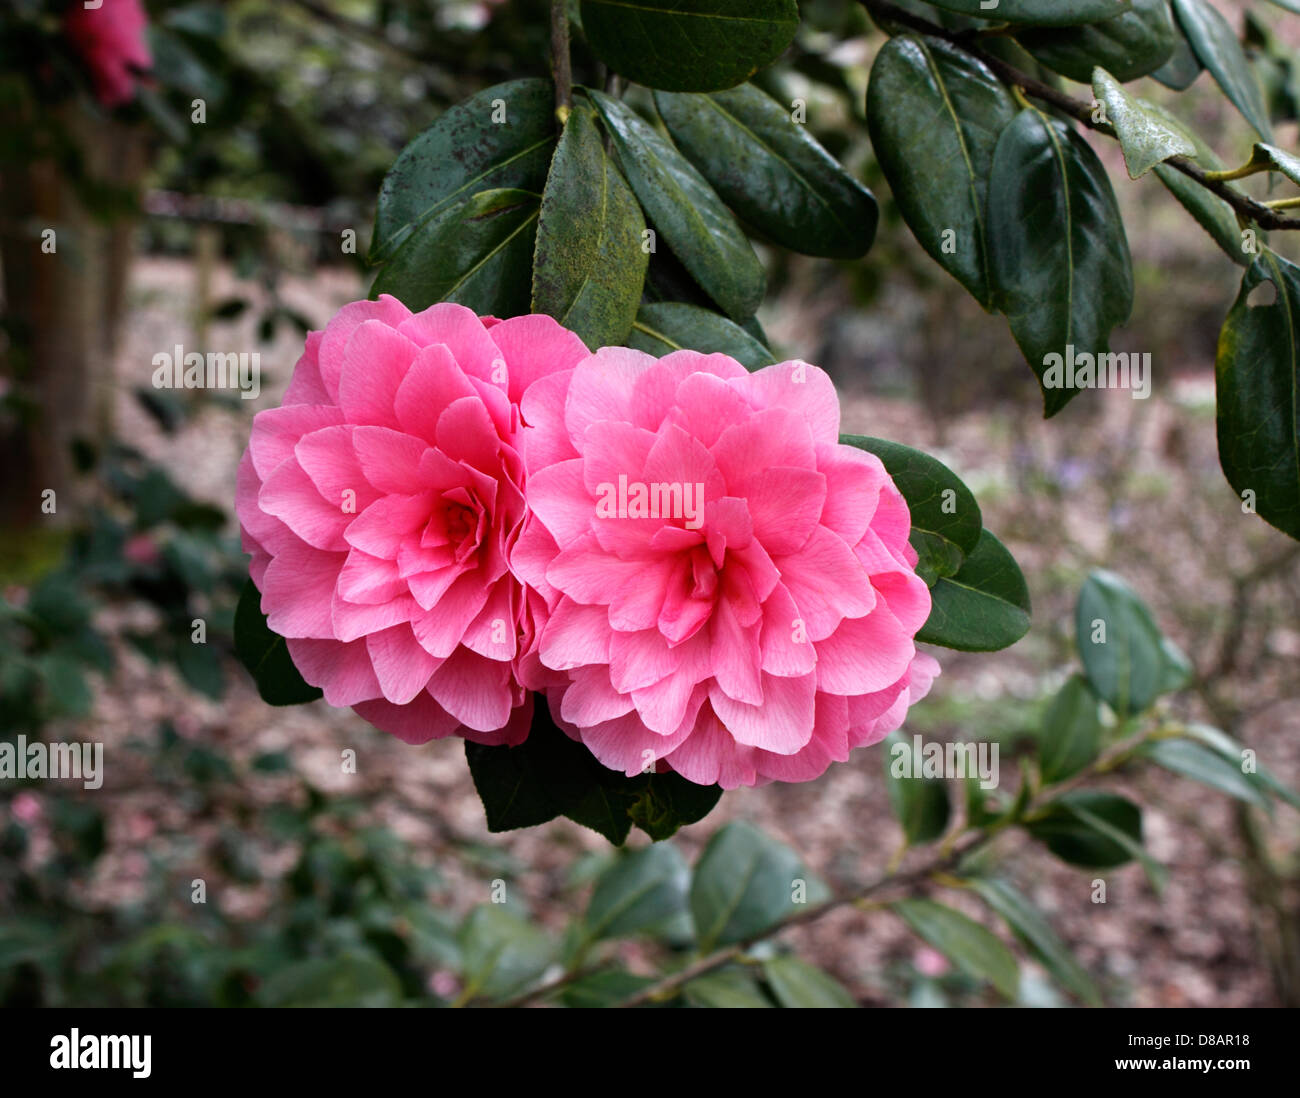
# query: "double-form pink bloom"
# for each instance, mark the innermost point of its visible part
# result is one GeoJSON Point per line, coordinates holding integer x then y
{"type": "Point", "coordinates": [380, 503]}
{"type": "Point", "coordinates": [449, 513]}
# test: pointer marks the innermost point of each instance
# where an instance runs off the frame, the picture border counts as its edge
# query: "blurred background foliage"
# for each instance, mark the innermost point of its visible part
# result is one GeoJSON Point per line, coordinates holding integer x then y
{"type": "Point", "coordinates": [324, 888]}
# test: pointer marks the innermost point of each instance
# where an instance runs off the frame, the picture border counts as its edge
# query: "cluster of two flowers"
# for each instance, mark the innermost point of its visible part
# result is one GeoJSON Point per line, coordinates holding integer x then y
{"type": "Point", "coordinates": [483, 560]}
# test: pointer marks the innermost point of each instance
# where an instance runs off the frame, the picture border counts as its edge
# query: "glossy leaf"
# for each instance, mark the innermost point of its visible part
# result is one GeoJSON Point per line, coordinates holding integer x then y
{"type": "Point", "coordinates": [771, 171]}
{"type": "Point", "coordinates": [1144, 137]}
{"type": "Point", "coordinates": [550, 775]}
{"type": "Point", "coordinates": [1060, 257]}
{"type": "Point", "coordinates": [1066, 826]}
{"type": "Point", "coordinates": [743, 884]}
{"type": "Point", "coordinates": [685, 211]}
{"type": "Point", "coordinates": [1213, 214]}
{"type": "Point", "coordinates": [697, 46]}
{"type": "Point", "coordinates": [1200, 764]}
{"type": "Point", "coordinates": [1043, 13]}
{"type": "Point", "coordinates": [798, 984]}
{"type": "Point", "coordinates": [266, 656]}
{"type": "Point", "coordinates": [353, 979]}
{"type": "Point", "coordinates": [1071, 736]}
{"type": "Point", "coordinates": [1134, 43]}
{"type": "Point", "coordinates": [984, 607]}
{"type": "Point", "coordinates": [920, 804]}
{"type": "Point", "coordinates": [728, 988]}
{"type": "Point", "coordinates": [935, 114]}
{"type": "Point", "coordinates": [974, 949]}
{"type": "Point", "coordinates": [1029, 925]}
{"type": "Point", "coordinates": [1217, 47]}
{"type": "Point", "coordinates": [477, 254]}
{"type": "Point", "coordinates": [469, 149]}
{"type": "Point", "coordinates": [502, 953]}
{"type": "Point", "coordinates": [1229, 749]}
{"type": "Point", "coordinates": [1183, 67]}
{"type": "Point", "coordinates": [1258, 389]}
{"type": "Point", "coordinates": [642, 889]}
{"type": "Point", "coordinates": [605, 988]}
{"type": "Point", "coordinates": [946, 520]}
{"type": "Point", "coordinates": [590, 262]}
{"type": "Point", "coordinates": [1128, 661]}
{"type": "Point", "coordinates": [1278, 160]}
{"type": "Point", "coordinates": [668, 326]}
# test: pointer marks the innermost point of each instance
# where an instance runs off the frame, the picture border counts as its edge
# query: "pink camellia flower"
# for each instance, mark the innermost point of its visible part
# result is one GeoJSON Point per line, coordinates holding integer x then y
{"type": "Point", "coordinates": [111, 41]}
{"type": "Point", "coordinates": [729, 589]}
{"type": "Point", "coordinates": [379, 504]}
{"type": "Point", "coordinates": [141, 549]}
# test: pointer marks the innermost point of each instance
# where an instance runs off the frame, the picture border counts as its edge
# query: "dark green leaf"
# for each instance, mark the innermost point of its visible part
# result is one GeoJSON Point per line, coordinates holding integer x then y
{"type": "Point", "coordinates": [984, 607]}
{"type": "Point", "coordinates": [67, 693]}
{"type": "Point", "coordinates": [1183, 67]}
{"type": "Point", "coordinates": [469, 149]}
{"type": "Point", "coordinates": [606, 988]}
{"type": "Point", "coordinates": [1042, 13]}
{"type": "Point", "coordinates": [771, 171]}
{"type": "Point", "coordinates": [1155, 872]}
{"type": "Point", "coordinates": [798, 984]}
{"type": "Point", "coordinates": [1277, 160]}
{"type": "Point", "coordinates": [701, 45]}
{"type": "Point", "coordinates": [743, 884]}
{"type": "Point", "coordinates": [942, 507]}
{"type": "Point", "coordinates": [666, 802]}
{"type": "Point", "coordinates": [477, 254]}
{"type": "Point", "coordinates": [502, 952]}
{"type": "Point", "coordinates": [1216, 47]}
{"type": "Point", "coordinates": [591, 260]}
{"type": "Point", "coordinates": [1143, 135]}
{"type": "Point", "coordinates": [972, 948]}
{"type": "Point", "coordinates": [266, 655]}
{"type": "Point", "coordinates": [1067, 826]}
{"type": "Point", "coordinates": [350, 980]}
{"type": "Point", "coordinates": [641, 890]}
{"type": "Point", "coordinates": [507, 783]}
{"type": "Point", "coordinates": [1213, 214]}
{"type": "Point", "coordinates": [200, 667]}
{"type": "Point", "coordinates": [1257, 373]}
{"type": "Point", "coordinates": [1060, 257]}
{"type": "Point", "coordinates": [1128, 661]}
{"type": "Point", "coordinates": [1071, 736]}
{"type": "Point", "coordinates": [667, 326]}
{"type": "Point", "coordinates": [1134, 43]}
{"type": "Point", "coordinates": [177, 66]}
{"type": "Point", "coordinates": [728, 988]}
{"type": "Point", "coordinates": [1028, 924]}
{"type": "Point", "coordinates": [550, 775]}
{"type": "Point", "coordinates": [685, 210]}
{"type": "Point", "coordinates": [919, 803]}
{"type": "Point", "coordinates": [935, 113]}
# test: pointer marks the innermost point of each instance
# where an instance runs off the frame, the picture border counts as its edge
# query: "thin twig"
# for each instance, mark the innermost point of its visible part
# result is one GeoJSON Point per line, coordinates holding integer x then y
{"type": "Point", "coordinates": [670, 985]}
{"type": "Point", "coordinates": [947, 856]}
{"type": "Point", "coordinates": [1243, 204]}
{"type": "Point", "coordinates": [560, 65]}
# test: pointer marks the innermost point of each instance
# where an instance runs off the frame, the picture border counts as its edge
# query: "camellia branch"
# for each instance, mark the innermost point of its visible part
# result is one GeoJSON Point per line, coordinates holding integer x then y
{"type": "Point", "coordinates": [1263, 215]}
{"type": "Point", "coordinates": [670, 985]}
{"type": "Point", "coordinates": [560, 64]}
{"type": "Point", "coordinates": [960, 843]}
